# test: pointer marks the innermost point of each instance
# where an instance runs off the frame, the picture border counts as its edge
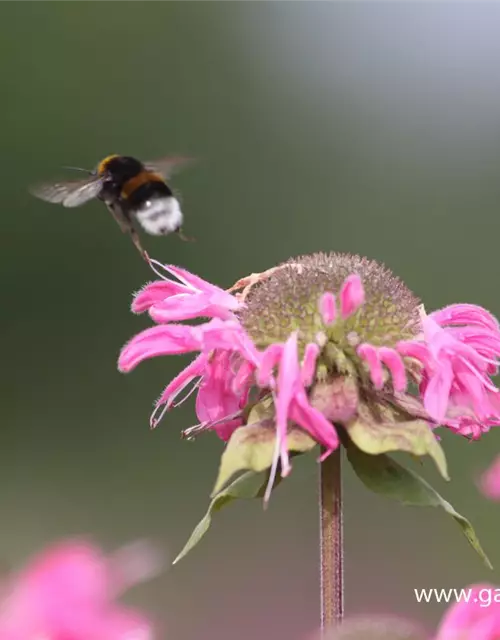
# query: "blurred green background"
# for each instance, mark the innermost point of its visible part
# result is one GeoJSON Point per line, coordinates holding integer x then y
{"type": "Point", "coordinates": [368, 128]}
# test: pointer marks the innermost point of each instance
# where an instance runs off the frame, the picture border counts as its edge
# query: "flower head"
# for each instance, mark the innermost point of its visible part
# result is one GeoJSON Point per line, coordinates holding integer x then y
{"type": "Point", "coordinates": [323, 340]}
{"type": "Point", "coordinates": [68, 592]}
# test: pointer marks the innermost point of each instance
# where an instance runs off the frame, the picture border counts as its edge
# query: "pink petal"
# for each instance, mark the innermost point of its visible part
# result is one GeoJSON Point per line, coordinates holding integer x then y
{"type": "Point", "coordinates": [370, 355]}
{"type": "Point", "coordinates": [158, 341]}
{"type": "Point", "coordinates": [182, 380]}
{"type": "Point", "coordinates": [186, 307]}
{"type": "Point", "coordinates": [219, 334]}
{"type": "Point", "coordinates": [215, 398]}
{"type": "Point", "coordinates": [352, 295]}
{"type": "Point", "coordinates": [490, 481]}
{"type": "Point", "coordinates": [194, 282]}
{"type": "Point", "coordinates": [243, 378]}
{"type": "Point", "coordinates": [247, 349]}
{"type": "Point", "coordinates": [472, 620]}
{"type": "Point", "coordinates": [468, 314]}
{"type": "Point", "coordinates": [308, 372]}
{"type": "Point", "coordinates": [225, 430]}
{"type": "Point", "coordinates": [288, 376]}
{"type": "Point", "coordinates": [417, 350]}
{"type": "Point", "coordinates": [327, 308]}
{"type": "Point", "coordinates": [270, 358]}
{"type": "Point", "coordinates": [73, 573]}
{"type": "Point", "coordinates": [437, 393]}
{"type": "Point", "coordinates": [314, 422]}
{"type": "Point", "coordinates": [155, 292]}
{"type": "Point", "coordinates": [67, 593]}
{"type": "Point", "coordinates": [395, 364]}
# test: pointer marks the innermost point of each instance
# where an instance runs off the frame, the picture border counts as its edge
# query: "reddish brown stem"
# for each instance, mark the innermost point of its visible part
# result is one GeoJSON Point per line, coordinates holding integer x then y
{"type": "Point", "coordinates": [331, 542]}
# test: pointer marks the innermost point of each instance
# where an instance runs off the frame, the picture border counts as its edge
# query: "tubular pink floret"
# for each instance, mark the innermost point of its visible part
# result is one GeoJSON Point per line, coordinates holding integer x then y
{"type": "Point", "coordinates": [375, 357]}
{"type": "Point", "coordinates": [314, 422]}
{"type": "Point", "coordinates": [217, 403]}
{"type": "Point", "coordinates": [195, 283]}
{"type": "Point", "coordinates": [394, 362]}
{"type": "Point", "coordinates": [243, 378]}
{"type": "Point", "coordinates": [176, 386]}
{"type": "Point", "coordinates": [466, 314]}
{"type": "Point", "coordinates": [352, 295]}
{"type": "Point", "coordinates": [413, 349]}
{"type": "Point", "coordinates": [155, 292]}
{"type": "Point", "coordinates": [288, 375]}
{"type": "Point", "coordinates": [370, 355]}
{"type": "Point", "coordinates": [308, 370]}
{"type": "Point", "coordinates": [186, 307]}
{"type": "Point", "coordinates": [269, 360]}
{"type": "Point", "coordinates": [158, 341]}
{"type": "Point", "coordinates": [328, 308]}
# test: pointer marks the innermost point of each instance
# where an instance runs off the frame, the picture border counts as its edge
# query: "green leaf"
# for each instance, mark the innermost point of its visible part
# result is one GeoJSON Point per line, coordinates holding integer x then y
{"type": "Point", "coordinates": [415, 437]}
{"type": "Point", "coordinates": [252, 447]}
{"type": "Point", "coordinates": [385, 476]}
{"type": "Point", "coordinates": [247, 486]}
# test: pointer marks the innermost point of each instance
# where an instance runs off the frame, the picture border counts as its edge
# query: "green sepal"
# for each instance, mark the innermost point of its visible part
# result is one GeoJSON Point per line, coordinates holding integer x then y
{"type": "Point", "coordinates": [252, 447]}
{"type": "Point", "coordinates": [385, 476]}
{"type": "Point", "coordinates": [247, 486]}
{"type": "Point", "coordinates": [414, 436]}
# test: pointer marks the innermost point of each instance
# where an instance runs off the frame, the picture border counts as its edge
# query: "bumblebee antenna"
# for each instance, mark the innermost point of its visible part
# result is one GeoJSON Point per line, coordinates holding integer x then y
{"type": "Point", "coordinates": [77, 169]}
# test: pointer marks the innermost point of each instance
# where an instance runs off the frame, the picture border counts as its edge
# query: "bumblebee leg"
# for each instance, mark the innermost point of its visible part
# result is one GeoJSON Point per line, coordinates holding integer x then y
{"type": "Point", "coordinates": [127, 227]}
{"type": "Point", "coordinates": [135, 239]}
{"type": "Point", "coordinates": [181, 235]}
{"type": "Point", "coordinates": [120, 219]}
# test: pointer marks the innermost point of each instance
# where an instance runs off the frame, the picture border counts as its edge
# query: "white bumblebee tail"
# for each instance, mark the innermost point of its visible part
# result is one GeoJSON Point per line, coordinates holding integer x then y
{"type": "Point", "coordinates": [160, 216]}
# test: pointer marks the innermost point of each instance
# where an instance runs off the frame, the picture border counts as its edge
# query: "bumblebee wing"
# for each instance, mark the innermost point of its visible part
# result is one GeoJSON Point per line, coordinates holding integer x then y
{"type": "Point", "coordinates": [69, 193]}
{"type": "Point", "coordinates": [169, 165]}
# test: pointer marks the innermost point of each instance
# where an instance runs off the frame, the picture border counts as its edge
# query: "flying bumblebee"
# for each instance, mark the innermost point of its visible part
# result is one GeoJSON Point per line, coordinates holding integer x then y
{"type": "Point", "coordinates": [131, 190]}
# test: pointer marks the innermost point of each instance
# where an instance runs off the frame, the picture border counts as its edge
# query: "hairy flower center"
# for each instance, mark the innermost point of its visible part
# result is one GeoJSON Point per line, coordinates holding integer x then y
{"type": "Point", "coordinates": [288, 300]}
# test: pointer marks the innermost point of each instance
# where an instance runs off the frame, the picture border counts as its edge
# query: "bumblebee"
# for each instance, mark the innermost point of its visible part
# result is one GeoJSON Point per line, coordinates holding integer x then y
{"type": "Point", "coordinates": [131, 190]}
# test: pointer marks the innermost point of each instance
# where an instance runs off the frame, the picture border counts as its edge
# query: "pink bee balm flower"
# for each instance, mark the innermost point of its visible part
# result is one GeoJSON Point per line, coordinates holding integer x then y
{"type": "Point", "coordinates": [490, 480]}
{"type": "Point", "coordinates": [68, 592]}
{"type": "Point", "coordinates": [322, 340]}
{"type": "Point", "coordinates": [476, 619]}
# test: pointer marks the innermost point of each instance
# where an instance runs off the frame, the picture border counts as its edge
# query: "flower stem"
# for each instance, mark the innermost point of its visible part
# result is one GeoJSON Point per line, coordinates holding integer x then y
{"type": "Point", "coordinates": [331, 543]}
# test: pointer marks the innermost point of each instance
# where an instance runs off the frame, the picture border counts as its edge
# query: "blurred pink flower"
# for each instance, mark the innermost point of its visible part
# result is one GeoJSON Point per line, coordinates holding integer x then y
{"type": "Point", "coordinates": [477, 619]}
{"type": "Point", "coordinates": [335, 321]}
{"type": "Point", "coordinates": [490, 480]}
{"type": "Point", "coordinates": [68, 593]}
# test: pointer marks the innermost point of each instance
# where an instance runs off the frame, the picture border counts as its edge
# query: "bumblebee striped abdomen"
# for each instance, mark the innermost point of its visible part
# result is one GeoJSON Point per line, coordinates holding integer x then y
{"type": "Point", "coordinates": [144, 186]}
{"type": "Point", "coordinates": [152, 202]}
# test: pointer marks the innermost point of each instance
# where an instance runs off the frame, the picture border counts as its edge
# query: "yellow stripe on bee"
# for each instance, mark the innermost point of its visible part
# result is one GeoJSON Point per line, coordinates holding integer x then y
{"type": "Point", "coordinates": [103, 165]}
{"type": "Point", "coordinates": [137, 181]}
